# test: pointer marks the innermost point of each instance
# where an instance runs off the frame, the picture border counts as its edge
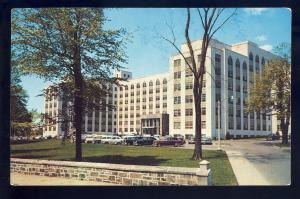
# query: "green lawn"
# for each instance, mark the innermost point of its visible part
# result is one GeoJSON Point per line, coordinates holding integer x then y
{"type": "Point", "coordinates": [162, 156]}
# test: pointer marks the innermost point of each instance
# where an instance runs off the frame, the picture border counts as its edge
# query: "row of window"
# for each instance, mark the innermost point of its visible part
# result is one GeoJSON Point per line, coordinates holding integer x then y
{"type": "Point", "coordinates": [157, 90]}
{"type": "Point", "coordinates": [144, 84]}
{"type": "Point", "coordinates": [188, 112]}
{"type": "Point", "coordinates": [188, 99]}
{"type": "Point", "coordinates": [188, 125]}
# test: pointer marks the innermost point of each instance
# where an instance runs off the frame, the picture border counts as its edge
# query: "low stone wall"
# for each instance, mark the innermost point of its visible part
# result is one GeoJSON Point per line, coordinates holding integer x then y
{"type": "Point", "coordinates": [115, 173]}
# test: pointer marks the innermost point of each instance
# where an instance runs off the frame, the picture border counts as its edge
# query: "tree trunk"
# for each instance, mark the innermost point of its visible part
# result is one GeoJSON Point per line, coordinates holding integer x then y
{"type": "Point", "coordinates": [78, 99]}
{"type": "Point", "coordinates": [284, 130]}
{"type": "Point", "coordinates": [197, 98]}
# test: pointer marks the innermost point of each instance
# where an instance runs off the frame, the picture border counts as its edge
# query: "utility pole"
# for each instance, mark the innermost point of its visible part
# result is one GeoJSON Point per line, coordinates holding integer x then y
{"type": "Point", "coordinates": [219, 126]}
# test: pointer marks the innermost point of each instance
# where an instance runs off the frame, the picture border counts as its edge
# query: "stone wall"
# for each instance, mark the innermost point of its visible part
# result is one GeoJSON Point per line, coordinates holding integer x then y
{"type": "Point", "coordinates": [115, 173]}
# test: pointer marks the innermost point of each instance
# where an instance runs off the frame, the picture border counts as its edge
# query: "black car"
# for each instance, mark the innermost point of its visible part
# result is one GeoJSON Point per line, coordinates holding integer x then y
{"type": "Point", "coordinates": [272, 137]}
{"type": "Point", "coordinates": [144, 141]}
{"type": "Point", "coordinates": [130, 140]}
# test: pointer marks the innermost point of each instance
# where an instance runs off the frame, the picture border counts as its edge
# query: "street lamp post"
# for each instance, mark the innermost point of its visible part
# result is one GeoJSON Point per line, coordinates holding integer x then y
{"type": "Point", "coordinates": [219, 120]}
{"type": "Point", "coordinates": [219, 127]}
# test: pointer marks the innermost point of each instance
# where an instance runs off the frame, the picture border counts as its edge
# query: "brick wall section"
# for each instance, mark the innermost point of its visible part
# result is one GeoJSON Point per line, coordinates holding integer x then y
{"type": "Point", "coordinates": [115, 173]}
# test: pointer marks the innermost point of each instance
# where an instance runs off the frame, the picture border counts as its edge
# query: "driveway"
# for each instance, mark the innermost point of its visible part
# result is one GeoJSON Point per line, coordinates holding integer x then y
{"type": "Point", "coordinates": [256, 161]}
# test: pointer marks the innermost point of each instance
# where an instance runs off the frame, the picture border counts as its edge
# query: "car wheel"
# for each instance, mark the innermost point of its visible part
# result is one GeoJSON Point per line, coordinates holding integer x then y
{"type": "Point", "coordinates": [176, 145]}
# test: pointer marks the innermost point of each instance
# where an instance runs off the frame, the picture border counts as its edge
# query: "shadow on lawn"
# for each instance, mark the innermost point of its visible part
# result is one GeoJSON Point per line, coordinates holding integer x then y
{"type": "Point", "coordinates": [17, 151]}
{"type": "Point", "coordinates": [26, 156]}
{"type": "Point", "coordinates": [120, 159]}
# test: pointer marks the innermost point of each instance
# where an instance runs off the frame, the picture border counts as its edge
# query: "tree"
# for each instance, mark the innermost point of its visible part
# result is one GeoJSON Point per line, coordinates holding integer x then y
{"type": "Point", "coordinates": [211, 23]}
{"type": "Point", "coordinates": [271, 93]}
{"type": "Point", "coordinates": [20, 117]}
{"type": "Point", "coordinates": [72, 43]}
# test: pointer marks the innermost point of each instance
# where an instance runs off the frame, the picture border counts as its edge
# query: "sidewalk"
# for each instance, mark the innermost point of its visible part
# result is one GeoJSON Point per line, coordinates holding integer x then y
{"type": "Point", "coordinates": [245, 172]}
{"type": "Point", "coordinates": [17, 179]}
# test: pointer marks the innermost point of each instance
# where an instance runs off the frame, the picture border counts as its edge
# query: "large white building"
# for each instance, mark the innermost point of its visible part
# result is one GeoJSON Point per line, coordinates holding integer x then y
{"type": "Point", "coordinates": [163, 103]}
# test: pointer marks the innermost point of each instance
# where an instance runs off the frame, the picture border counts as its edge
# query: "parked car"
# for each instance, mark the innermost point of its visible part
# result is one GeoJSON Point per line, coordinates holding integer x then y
{"type": "Point", "coordinates": [112, 139]}
{"type": "Point", "coordinates": [191, 140]}
{"type": "Point", "coordinates": [89, 138]}
{"type": "Point", "coordinates": [128, 140]}
{"type": "Point", "coordinates": [272, 137]}
{"type": "Point", "coordinates": [168, 141]}
{"type": "Point", "coordinates": [206, 140]}
{"type": "Point", "coordinates": [179, 136]}
{"type": "Point", "coordinates": [157, 137]}
{"type": "Point", "coordinates": [144, 141]}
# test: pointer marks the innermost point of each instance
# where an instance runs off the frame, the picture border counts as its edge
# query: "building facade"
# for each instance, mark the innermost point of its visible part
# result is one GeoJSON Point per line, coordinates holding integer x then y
{"type": "Point", "coordinates": [229, 74]}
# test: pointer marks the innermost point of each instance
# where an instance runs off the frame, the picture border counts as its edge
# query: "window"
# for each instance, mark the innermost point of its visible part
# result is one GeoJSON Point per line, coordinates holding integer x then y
{"type": "Point", "coordinates": [189, 112]}
{"type": "Point", "coordinates": [189, 124]}
{"type": "Point", "coordinates": [189, 86]}
{"type": "Point", "coordinates": [150, 83]}
{"type": "Point", "coordinates": [164, 97]}
{"type": "Point", "coordinates": [132, 94]}
{"type": "Point", "coordinates": [150, 91]}
{"type": "Point", "coordinates": [144, 85]}
{"type": "Point", "coordinates": [177, 75]}
{"type": "Point", "coordinates": [188, 72]}
{"type": "Point", "coordinates": [203, 124]}
{"type": "Point", "coordinates": [126, 87]}
{"type": "Point", "coordinates": [176, 125]}
{"type": "Point", "coordinates": [150, 106]}
{"type": "Point", "coordinates": [189, 99]}
{"type": "Point", "coordinates": [250, 62]}
{"type": "Point", "coordinates": [165, 89]}
{"type": "Point", "coordinates": [138, 100]}
{"type": "Point", "coordinates": [132, 86]}
{"type": "Point", "coordinates": [157, 98]}
{"type": "Point", "coordinates": [138, 93]}
{"type": "Point", "coordinates": [177, 112]}
{"type": "Point", "coordinates": [164, 105]}
{"type": "Point", "coordinates": [165, 81]}
{"type": "Point", "coordinates": [157, 90]}
{"type": "Point", "coordinates": [144, 99]}
{"type": "Point", "coordinates": [150, 99]}
{"type": "Point", "coordinates": [203, 97]}
{"type": "Point", "coordinates": [237, 69]}
{"type": "Point", "coordinates": [177, 87]}
{"type": "Point", "coordinates": [188, 61]}
{"type": "Point", "coordinates": [138, 86]}
{"type": "Point", "coordinates": [203, 111]}
{"type": "Point", "coordinates": [217, 64]}
{"type": "Point", "coordinates": [177, 62]}
{"type": "Point", "coordinates": [157, 105]}
{"type": "Point", "coordinates": [177, 100]}
{"type": "Point", "coordinates": [257, 64]}
{"type": "Point", "coordinates": [230, 67]}
{"type": "Point", "coordinates": [157, 82]}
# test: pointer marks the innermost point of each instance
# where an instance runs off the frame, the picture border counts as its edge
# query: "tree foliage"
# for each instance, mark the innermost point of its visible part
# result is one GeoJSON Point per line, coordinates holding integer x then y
{"type": "Point", "coordinates": [68, 43]}
{"type": "Point", "coordinates": [271, 93]}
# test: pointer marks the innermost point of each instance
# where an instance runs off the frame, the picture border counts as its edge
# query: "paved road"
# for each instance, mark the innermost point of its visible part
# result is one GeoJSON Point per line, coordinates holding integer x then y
{"type": "Point", "coordinates": [17, 179]}
{"type": "Point", "coordinates": [256, 161]}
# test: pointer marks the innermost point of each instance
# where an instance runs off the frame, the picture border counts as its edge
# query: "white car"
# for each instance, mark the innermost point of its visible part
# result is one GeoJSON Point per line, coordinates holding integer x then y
{"type": "Point", "coordinates": [95, 139]}
{"type": "Point", "coordinates": [112, 139]}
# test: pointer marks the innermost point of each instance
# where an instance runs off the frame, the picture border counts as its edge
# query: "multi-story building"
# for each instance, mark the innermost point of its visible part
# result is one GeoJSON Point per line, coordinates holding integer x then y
{"type": "Point", "coordinates": [147, 105]}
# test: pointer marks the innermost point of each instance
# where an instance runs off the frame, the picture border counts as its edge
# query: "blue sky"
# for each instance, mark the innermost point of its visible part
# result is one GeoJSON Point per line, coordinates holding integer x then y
{"type": "Point", "coordinates": [149, 54]}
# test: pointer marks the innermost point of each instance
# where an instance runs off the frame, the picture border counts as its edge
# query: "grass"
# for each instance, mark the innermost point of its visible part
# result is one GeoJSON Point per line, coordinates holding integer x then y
{"type": "Point", "coordinates": [222, 173]}
{"type": "Point", "coordinates": [283, 145]}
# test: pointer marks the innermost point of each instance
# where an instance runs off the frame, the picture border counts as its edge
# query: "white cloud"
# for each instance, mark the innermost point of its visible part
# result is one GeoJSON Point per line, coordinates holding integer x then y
{"type": "Point", "coordinates": [267, 47]}
{"type": "Point", "coordinates": [261, 38]}
{"type": "Point", "coordinates": [255, 11]}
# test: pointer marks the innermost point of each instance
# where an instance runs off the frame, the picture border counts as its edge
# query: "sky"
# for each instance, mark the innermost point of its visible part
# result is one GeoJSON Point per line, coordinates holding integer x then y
{"type": "Point", "coordinates": [149, 54]}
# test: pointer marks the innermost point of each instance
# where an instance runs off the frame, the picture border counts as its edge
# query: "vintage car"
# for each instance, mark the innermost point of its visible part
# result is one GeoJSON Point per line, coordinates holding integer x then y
{"type": "Point", "coordinates": [129, 140]}
{"type": "Point", "coordinates": [164, 141]}
{"type": "Point", "coordinates": [144, 141]}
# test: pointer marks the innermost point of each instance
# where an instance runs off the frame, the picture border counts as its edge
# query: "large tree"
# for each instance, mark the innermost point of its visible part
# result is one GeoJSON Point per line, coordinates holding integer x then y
{"type": "Point", "coordinates": [69, 43]}
{"type": "Point", "coordinates": [211, 21]}
{"type": "Point", "coordinates": [20, 117]}
{"type": "Point", "coordinates": [271, 93]}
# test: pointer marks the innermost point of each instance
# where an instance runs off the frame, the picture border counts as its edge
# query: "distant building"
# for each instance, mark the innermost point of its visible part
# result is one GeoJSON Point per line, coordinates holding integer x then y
{"type": "Point", "coordinates": [229, 71]}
